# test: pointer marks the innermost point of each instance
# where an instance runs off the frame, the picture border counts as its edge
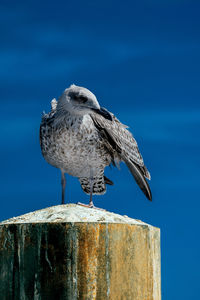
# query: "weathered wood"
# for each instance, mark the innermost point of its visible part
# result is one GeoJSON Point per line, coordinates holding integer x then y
{"type": "Point", "coordinates": [79, 260]}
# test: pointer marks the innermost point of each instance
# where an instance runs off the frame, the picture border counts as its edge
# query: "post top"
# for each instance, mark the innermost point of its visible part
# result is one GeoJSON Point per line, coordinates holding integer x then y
{"type": "Point", "coordinates": [71, 213]}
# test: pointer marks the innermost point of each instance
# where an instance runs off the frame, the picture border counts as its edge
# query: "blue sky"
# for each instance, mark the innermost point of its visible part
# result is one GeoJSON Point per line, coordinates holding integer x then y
{"type": "Point", "coordinates": [141, 59]}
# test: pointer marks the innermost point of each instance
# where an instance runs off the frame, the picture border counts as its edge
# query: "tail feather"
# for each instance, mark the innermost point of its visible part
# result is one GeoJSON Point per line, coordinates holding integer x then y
{"type": "Point", "coordinates": [145, 172]}
{"type": "Point", "coordinates": [139, 178]}
{"type": "Point", "coordinates": [108, 181]}
{"type": "Point", "coordinates": [99, 187]}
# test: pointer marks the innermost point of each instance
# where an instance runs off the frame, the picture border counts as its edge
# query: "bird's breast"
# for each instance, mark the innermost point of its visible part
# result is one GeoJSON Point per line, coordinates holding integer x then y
{"type": "Point", "coordinates": [74, 147]}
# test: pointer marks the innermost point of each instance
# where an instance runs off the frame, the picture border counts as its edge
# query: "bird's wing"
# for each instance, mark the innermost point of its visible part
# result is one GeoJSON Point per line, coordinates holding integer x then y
{"type": "Point", "coordinates": [121, 139]}
{"type": "Point", "coordinates": [123, 143]}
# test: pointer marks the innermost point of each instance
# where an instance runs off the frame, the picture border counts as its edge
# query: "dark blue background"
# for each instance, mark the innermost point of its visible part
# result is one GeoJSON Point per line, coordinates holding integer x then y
{"type": "Point", "coordinates": [142, 61]}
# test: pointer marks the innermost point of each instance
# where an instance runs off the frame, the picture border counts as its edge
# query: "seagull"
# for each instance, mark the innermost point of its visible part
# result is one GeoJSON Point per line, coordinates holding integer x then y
{"type": "Point", "coordinates": [81, 138]}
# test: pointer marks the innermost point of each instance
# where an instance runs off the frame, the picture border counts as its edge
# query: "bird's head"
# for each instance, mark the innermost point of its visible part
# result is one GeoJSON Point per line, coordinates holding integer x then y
{"type": "Point", "coordinates": [80, 101]}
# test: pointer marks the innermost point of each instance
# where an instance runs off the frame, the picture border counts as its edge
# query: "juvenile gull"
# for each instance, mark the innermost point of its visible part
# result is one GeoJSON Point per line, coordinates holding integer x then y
{"type": "Point", "coordinates": [81, 138]}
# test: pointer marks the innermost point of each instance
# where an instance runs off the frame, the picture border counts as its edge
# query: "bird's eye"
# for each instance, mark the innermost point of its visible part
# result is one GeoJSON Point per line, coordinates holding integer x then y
{"type": "Point", "coordinates": [82, 99]}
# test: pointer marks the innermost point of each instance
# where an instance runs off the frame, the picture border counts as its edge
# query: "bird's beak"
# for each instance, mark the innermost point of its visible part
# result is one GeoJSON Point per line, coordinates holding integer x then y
{"type": "Point", "coordinates": [103, 112]}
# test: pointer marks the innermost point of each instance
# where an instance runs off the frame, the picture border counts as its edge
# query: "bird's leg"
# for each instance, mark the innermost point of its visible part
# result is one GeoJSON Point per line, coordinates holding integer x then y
{"type": "Point", "coordinates": [91, 204]}
{"type": "Point", "coordinates": [63, 183]}
{"type": "Point", "coordinates": [91, 181]}
{"type": "Point", "coordinates": [91, 191]}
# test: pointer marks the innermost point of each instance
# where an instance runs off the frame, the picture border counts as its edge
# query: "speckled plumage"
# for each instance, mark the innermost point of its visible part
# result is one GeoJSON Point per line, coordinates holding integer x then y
{"type": "Point", "coordinates": [81, 139]}
{"type": "Point", "coordinates": [74, 145]}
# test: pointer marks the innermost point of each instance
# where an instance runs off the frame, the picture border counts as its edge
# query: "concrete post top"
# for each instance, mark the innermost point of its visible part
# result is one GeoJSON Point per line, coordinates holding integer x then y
{"type": "Point", "coordinates": [70, 213]}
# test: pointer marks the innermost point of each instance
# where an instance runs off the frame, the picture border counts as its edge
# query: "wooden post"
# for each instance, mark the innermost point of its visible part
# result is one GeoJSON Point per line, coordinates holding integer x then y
{"type": "Point", "coordinates": [72, 252]}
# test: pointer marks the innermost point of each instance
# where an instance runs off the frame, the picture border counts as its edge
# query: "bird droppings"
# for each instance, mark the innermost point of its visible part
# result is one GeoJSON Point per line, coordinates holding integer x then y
{"type": "Point", "coordinates": [71, 213]}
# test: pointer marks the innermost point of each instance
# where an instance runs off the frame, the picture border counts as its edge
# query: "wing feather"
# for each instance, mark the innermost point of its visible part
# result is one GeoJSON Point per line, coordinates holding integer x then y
{"type": "Point", "coordinates": [122, 146]}
{"type": "Point", "coordinates": [139, 178]}
{"type": "Point", "coordinates": [120, 138]}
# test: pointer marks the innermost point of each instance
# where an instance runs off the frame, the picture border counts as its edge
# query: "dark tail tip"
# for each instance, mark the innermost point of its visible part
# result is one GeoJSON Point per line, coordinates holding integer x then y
{"type": "Point", "coordinates": [108, 181]}
{"type": "Point", "coordinates": [149, 195]}
{"type": "Point", "coordinates": [139, 178]}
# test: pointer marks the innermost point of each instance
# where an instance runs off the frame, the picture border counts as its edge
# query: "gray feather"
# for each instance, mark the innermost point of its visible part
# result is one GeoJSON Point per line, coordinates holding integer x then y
{"type": "Point", "coordinates": [139, 178]}
{"type": "Point", "coordinates": [108, 181]}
